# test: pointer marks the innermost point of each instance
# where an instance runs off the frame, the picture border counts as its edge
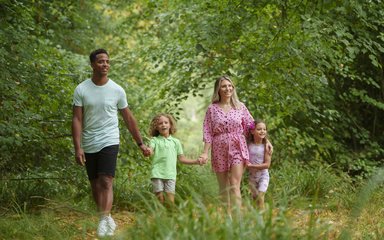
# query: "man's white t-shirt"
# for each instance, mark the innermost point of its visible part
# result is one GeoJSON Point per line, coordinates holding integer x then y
{"type": "Point", "coordinates": [100, 106]}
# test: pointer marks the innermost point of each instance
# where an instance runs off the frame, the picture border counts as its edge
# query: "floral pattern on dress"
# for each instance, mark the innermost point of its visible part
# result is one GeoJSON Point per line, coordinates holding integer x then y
{"type": "Point", "coordinates": [226, 133]}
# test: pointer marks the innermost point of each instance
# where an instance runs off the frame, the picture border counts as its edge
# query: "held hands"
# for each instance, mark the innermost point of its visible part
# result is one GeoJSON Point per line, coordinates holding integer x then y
{"type": "Point", "coordinates": [251, 165]}
{"type": "Point", "coordinates": [200, 161]}
{"type": "Point", "coordinates": [203, 159]}
{"type": "Point", "coordinates": [146, 150]}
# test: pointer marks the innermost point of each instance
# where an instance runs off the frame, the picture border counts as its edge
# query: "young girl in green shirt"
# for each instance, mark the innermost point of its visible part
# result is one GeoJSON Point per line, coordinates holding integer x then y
{"type": "Point", "coordinates": [165, 151]}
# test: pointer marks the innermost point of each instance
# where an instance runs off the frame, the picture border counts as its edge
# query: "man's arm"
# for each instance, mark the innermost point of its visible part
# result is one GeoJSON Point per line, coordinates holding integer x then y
{"type": "Point", "coordinates": [131, 124]}
{"type": "Point", "coordinates": [77, 125]}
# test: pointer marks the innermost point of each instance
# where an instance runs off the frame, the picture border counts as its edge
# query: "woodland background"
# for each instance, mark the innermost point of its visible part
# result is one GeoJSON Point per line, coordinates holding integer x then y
{"type": "Point", "coordinates": [312, 69]}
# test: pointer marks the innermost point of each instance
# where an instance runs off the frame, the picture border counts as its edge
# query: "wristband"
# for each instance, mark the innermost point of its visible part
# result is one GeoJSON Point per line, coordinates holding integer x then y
{"type": "Point", "coordinates": [140, 144]}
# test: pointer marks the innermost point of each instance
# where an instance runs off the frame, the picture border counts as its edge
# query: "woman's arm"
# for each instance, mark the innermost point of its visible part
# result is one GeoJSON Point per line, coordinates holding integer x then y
{"type": "Point", "coordinates": [204, 155]}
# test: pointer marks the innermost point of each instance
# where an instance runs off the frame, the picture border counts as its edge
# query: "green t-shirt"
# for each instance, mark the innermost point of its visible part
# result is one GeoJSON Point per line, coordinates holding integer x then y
{"type": "Point", "coordinates": [164, 158]}
{"type": "Point", "coordinates": [100, 106]}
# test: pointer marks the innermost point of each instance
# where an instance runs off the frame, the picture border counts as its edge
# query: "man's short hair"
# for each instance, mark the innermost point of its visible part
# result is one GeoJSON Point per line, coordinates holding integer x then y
{"type": "Point", "coordinates": [92, 56]}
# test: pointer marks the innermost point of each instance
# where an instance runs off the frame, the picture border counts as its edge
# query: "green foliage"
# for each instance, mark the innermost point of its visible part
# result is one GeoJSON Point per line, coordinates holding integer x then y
{"type": "Point", "coordinates": [26, 227]}
{"type": "Point", "coordinates": [32, 189]}
{"type": "Point", "coordinates": [294, 181]}
{"type": "Point", "coordinates": [369, 192]}
{"type": "Point", "coordinates": [192, 220]}
{"type": "Point", "coordinates": [350, 61]}
{"type": "Point", "coordinates": [42, 68]}
{"type": "Point", "coordinates": [311, 69]}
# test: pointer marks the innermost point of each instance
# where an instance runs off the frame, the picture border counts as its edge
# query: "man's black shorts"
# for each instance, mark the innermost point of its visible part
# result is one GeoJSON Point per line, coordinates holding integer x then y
{"type": "Point", "coordinates": [102, 163]}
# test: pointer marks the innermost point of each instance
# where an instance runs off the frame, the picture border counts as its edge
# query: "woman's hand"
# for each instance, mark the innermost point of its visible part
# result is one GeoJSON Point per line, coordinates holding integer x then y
{"type": "Point", "coordinates": [203, 158]}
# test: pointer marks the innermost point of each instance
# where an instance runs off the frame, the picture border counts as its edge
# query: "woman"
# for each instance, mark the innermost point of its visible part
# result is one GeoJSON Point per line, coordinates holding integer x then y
{"type": "Point", "coordinates": [225, 126]}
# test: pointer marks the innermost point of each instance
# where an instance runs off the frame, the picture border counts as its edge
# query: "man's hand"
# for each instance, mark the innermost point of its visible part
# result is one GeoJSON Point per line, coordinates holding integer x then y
{"type": "Point", "coordinates": [80, 157]}
{"type": "Point", "coordinates": [146, 150]}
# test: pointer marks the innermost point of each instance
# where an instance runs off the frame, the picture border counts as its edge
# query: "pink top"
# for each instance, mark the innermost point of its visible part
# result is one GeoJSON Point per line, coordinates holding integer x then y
{"type": "Point", "coordinates": [226, 133]}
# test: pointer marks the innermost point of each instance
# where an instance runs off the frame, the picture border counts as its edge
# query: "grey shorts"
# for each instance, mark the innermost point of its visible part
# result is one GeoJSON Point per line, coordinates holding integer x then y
{"type": "Point", "coordinates": [163, 185]}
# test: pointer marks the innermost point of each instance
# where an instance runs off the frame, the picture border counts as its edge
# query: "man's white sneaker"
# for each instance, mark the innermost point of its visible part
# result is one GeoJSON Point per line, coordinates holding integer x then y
{"type": "Point", "coordinates": [102, 229]}
{"type": "Point", "coordinates": [111, 226]}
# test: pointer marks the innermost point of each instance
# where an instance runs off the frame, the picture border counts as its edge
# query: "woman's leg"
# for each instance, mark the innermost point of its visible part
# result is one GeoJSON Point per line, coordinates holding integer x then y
{"type": "Point", "coordinates": [235, 182]}
{"type": "Point", "coordinates": [222, 179]}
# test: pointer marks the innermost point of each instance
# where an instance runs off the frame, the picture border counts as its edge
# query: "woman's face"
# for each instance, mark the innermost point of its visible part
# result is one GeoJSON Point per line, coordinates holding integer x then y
{"type": "Point", "coordinates": [226, 89]}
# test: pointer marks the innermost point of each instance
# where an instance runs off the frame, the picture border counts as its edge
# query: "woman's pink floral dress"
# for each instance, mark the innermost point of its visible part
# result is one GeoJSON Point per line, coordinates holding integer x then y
{"type": "Point", "coordinates": [226, 133]}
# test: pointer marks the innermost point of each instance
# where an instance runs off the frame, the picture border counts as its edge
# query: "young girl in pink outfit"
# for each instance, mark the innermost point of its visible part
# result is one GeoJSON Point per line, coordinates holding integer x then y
{"type": "Point", "coordinates": [259, 162]}
{"type": "Point", "coordinates": [225, 126]}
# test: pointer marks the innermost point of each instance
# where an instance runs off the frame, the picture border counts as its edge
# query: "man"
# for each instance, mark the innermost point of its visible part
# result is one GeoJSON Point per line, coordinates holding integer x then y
{"type": "Point", "coordinates": [95, 133]}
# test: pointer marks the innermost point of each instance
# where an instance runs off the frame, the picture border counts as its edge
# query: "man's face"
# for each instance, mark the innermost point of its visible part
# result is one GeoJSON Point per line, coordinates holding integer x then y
{"type": "Point", "coordinates": [101, 64]}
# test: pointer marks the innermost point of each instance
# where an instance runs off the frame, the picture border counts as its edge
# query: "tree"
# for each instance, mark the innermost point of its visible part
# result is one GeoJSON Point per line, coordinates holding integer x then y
{"type": "Point", "coordinates": [40, 51]}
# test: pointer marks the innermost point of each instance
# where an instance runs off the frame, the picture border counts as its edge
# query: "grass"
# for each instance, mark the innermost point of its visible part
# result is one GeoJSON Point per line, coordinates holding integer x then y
{"type": "Point", "coordinates": [299, 213]}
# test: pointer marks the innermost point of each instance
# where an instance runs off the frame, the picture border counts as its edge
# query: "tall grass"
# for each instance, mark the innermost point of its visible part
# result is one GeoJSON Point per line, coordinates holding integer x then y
{"type": "Point", "coordinates": [303, 202]}
{"type": "Point", "coordinates": [31, 189]}
{"type": "Point", "coordinates": [192, 219]}
{"type": "Point", "coordinates": [295, 183]}
{"type": "Point", "coordinates": [198, 214]}
{"type": "Point", "coordinates": [56, 220]}
{"type": "Point", "coordinates": [364, 207]}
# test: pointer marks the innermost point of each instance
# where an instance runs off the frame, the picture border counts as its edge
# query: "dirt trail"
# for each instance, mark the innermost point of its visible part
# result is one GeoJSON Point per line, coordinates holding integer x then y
{"type": "Point", "coordinates": [87, 224]}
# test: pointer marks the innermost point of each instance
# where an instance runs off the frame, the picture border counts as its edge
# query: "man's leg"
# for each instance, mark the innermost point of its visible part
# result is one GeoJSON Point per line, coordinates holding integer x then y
{"type": "Point", "coordinates": [94, 189]}
{"type": "Point", "coordinates": [102, 187]}
{"type": "Point", "coordinates": [102, 190]}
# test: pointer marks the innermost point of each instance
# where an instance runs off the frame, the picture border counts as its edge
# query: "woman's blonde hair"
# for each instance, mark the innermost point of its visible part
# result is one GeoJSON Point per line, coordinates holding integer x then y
{"type": "Point", "coordinates": [153, 127]}
{"type": "Point", "coordinates": [216, 96]}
